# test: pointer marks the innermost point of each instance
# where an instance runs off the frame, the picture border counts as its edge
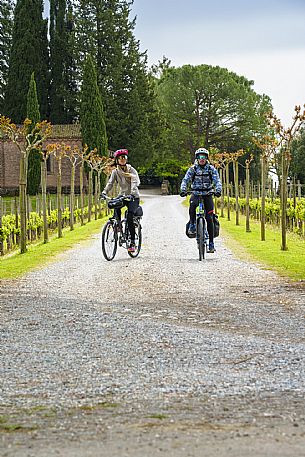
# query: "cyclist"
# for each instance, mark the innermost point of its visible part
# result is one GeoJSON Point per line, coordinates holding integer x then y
{"type": "Point", "coordinates": [128, 180]}
{"type": "Point", "coordinates": [203, 178]}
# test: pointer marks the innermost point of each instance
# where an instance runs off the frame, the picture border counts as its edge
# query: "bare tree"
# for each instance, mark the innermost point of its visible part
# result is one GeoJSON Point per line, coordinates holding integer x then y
{"type": "Point", "coordinates": [267, 144]}
{"type": "Point", "coordinates": [26, 141]}
{"type": "Point", "coordinates": [285, 138]}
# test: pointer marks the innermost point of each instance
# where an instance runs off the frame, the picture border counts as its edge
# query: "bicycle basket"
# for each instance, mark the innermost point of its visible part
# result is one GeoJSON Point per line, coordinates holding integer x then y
{"type": "Point", "coordinates": [139, 211]}
{"type": "Point", "coordinates": [216, 225]}
{"type": "Point", "coordinates": [116, 203]}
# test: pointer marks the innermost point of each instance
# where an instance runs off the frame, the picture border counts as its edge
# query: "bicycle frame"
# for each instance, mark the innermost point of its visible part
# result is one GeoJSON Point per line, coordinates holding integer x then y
{"type": "Point", "coordinates": [116, 232]}
{"type": "Point", "coordinates": [201, 228]}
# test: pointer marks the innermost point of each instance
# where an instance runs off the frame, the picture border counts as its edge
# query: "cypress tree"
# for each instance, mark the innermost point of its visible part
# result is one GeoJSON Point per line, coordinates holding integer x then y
{"type": "Point", "coordinates": [34, 160]}
{"type": "Point", "coordinates": [63, 85]}
{"type": "Point", "coordinates": [29, 53]}
{"type": "Point", "coordinates": [104, 29]}
{"type": "Point", "coordinates": [91, 111]}
{"type": "Point", "coordinates": [70, 74]}
{"type": "Point", "coordinates": [57, 61]}
{"type": "Point", "coordinates": [6, 31]}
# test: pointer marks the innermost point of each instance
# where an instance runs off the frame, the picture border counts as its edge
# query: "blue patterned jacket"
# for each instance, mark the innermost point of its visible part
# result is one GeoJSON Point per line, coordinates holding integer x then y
{"type": "Point", "coordinates": [203, 179]}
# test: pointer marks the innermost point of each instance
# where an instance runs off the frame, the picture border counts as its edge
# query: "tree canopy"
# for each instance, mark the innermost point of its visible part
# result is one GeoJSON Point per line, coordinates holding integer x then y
{"type": "Point", "coordinates": [91, 111]}
{"type": "Point", "coordinates": [211, 107]}
{"type": "Point", "coordinates": [29, 53]}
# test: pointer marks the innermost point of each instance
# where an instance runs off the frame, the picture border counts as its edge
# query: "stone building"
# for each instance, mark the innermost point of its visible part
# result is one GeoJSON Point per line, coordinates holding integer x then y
{"type": "Point", "coordinates": [10, 156]}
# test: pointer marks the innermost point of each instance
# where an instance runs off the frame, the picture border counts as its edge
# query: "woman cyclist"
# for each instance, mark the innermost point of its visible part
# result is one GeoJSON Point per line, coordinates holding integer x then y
{"type": "Point", "coordinates": [128, 180]}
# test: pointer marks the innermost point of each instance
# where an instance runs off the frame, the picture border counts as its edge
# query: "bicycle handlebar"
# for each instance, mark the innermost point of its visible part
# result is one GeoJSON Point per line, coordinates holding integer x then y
{"type": "Point", "coordinates": [189, 192]}
{"type": "Point", "coordinates": [119, 197]}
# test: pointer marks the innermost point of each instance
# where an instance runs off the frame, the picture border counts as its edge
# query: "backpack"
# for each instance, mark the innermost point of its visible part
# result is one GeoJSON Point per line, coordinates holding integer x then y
{"type": "Point", "coordinates": [196, 174]}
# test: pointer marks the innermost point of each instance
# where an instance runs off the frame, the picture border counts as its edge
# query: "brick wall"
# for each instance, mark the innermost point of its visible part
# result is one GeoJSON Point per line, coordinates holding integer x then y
{"type": "Point", "coordinates": [9, 167]}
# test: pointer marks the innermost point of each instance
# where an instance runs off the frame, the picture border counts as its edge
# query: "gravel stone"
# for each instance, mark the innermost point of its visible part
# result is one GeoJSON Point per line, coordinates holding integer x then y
{"type": "Point", "coordinates": [160, 355]}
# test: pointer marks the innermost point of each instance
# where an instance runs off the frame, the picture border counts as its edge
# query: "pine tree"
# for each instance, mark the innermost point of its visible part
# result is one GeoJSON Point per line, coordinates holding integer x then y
{"type": "Point", "coordinates": [6, 31]}
{"type": "Point", "coordinates": [29, 53]}
{"type": "Point", "coordinates": [34, 160]}
{"type": "Point", "coordinates": [63, 85]}
{"type": "Point", "coordinates": [91, 111]}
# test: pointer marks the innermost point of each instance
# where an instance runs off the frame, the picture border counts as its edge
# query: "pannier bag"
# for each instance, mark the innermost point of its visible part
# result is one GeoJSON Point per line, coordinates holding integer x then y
{"type": "Point", "coordinates": [116, 203]}
{"type": "Point", "coordinates": [216, 225]}
{"type": "Point", "coordinates": [139, 211]}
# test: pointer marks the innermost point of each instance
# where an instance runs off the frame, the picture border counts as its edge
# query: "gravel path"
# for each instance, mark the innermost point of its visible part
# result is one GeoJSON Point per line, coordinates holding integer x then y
{"type": "Point", "coordinates": [161, 355]}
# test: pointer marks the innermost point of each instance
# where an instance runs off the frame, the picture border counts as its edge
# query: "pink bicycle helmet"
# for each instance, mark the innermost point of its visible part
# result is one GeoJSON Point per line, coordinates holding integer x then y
{"type": "Point", "coordinates": [120, 152]}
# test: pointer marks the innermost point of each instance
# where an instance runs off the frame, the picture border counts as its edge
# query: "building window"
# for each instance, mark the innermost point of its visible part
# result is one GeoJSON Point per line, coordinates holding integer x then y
{"type": "Point", "coordinates": [50, 165]}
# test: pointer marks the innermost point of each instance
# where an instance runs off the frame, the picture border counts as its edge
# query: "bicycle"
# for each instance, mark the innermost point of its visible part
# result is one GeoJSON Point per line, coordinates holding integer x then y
{"type": "Point", "coordinates": [202, 236]}
{"type": "Point", "coordinates": [115, 232]}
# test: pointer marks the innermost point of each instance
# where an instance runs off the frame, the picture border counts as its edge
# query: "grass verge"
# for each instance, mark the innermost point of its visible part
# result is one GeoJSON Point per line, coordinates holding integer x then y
{"type": "Point", "coordinates": [249, 246]}
{"type": "Point", "coordinates": [40, 254]}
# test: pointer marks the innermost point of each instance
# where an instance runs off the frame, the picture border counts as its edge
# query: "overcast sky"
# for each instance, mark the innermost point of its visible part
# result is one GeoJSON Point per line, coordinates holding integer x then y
{"type": "Point", "coordinates": [262, 40]}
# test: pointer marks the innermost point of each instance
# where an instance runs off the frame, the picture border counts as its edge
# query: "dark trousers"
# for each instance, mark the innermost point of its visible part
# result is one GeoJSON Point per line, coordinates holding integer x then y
{"type": "Point", "coordinates": [209, 210]}
{"type": "Point", "coordinates": [131, 209]}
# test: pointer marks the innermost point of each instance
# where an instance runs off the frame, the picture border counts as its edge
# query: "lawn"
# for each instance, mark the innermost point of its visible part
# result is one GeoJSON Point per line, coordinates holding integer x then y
{"type": "Point", "coordinates": [290, 263]}
{"type": "Point", "coordinates": [15, 265]}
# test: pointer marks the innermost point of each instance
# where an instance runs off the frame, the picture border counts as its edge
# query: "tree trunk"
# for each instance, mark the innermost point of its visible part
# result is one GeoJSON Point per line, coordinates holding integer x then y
{"type": "Point", "coordinates": [222, 196]}
{"type": "Point", "coordinates": [95, 196]}
{"type": "Point", "coordinates": [235, 169]}
{"type": "Point", "coordinates": [72, 198]}
{"type": "Point", "coordinates": [44, 199]}
{"type": "Point", "coordinates": [263, 200]}
{"type": "Point", "coordinates": [59, 202]}
{"type": "Point", "coordinates": [284, 201]}
{"type": "Point", "coordinates": [81, 190]}
{"type": "Point", "coordinates": [90, 195]}
{"type": "Point", "coordinates": [22, 204]}
{"type": "Point", "coordinates": [1, 239]}
{"type": "Point", "coordinates": [247, 198]}
{"type": "Point", "coordinates": [228, 191]}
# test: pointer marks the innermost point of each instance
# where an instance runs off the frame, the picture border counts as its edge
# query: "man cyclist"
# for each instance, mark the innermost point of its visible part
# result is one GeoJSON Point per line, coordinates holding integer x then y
{"type": "Point", "coordinates": [128, 180]}
{"type": "Point", "coordinates": [203, 178]}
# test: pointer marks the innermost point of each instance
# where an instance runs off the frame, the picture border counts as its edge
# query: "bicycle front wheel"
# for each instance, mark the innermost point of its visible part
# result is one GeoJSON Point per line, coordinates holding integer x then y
{"type": "Point", "coordinates": [138, 240]}
{"type": "Point", "coordinates": [200, 238]}
{"type": "Point", "coordinates": [109, 241]}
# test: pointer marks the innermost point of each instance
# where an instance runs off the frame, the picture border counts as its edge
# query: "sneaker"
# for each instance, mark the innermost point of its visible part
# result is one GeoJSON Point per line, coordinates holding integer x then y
{"type": "Point", "coordinates": [131, 247]}
{"type": "Point", "coordinates": [192, 229]}
{"type": "Point", "coordinates": [211, 248]}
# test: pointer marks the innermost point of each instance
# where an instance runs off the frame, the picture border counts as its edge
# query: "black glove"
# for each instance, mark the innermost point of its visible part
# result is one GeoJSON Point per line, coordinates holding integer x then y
{"type": "Point", "coordinates": [217, 194]}
{"type": "Point", "coordinates": [183, 193]}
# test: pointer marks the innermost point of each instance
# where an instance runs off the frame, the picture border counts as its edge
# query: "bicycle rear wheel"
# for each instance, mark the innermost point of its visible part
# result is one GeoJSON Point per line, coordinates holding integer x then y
{"type": "Point", "coordinates": [200, 238]}
{"type": "Point", "coordinates": [138, 240]}
{"type": "Point", "coordinates": [109, 240]}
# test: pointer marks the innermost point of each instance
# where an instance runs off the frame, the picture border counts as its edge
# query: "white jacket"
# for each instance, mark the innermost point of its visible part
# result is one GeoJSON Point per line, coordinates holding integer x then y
{"type": "Point", "coordinates": [127, 181]}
